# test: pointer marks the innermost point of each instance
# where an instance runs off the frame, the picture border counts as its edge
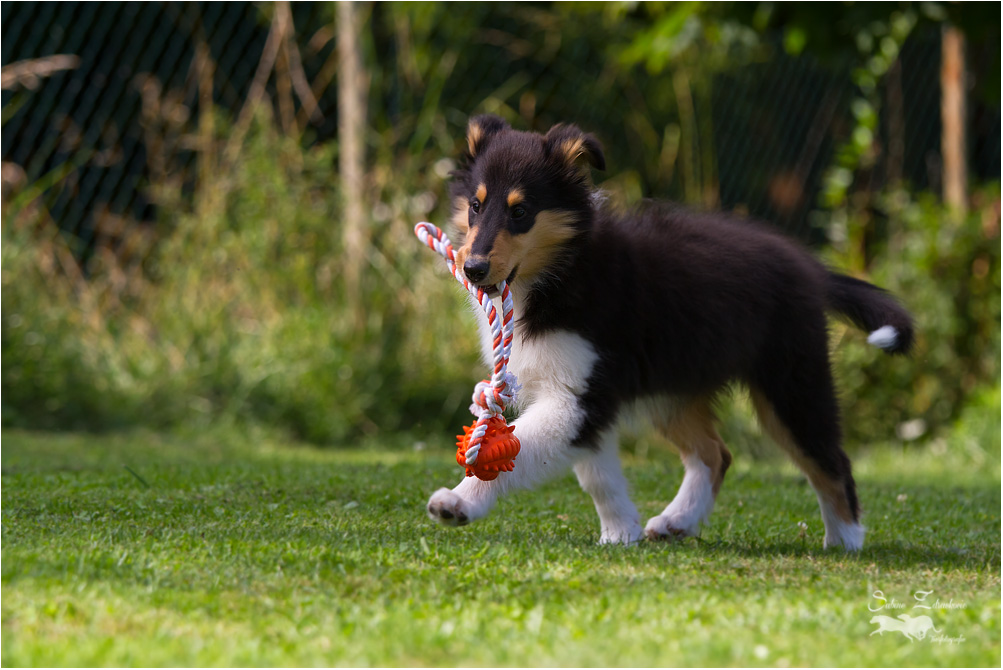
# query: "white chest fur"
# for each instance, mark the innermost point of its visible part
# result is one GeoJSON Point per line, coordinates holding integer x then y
{"type": "Point", "coordinates": [555, 362]}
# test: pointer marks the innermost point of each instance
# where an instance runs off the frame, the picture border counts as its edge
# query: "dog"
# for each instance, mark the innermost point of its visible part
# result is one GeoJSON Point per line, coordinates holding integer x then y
{"type": "Point", "coordinates": [656, 310]}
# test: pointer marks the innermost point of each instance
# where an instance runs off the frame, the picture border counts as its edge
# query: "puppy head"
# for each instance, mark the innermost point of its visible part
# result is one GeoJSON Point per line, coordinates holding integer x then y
{"type": "Point", "coordinates": [521, 199]}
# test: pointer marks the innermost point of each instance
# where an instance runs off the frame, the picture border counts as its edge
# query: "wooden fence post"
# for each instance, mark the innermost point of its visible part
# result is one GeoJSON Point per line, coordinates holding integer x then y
{"type": "Point", "coordinates": [352, 85]}
{"type": "Point", "coordinates": [952, 112]}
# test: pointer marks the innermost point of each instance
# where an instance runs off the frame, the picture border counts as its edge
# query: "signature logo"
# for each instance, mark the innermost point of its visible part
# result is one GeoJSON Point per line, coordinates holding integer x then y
{"type": "Point", "coordinates": [913, 627]}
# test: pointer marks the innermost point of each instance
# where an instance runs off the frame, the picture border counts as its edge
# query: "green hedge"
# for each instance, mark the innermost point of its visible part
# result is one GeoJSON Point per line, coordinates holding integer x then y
{"type": "Point", "coordinates": [238, 313]}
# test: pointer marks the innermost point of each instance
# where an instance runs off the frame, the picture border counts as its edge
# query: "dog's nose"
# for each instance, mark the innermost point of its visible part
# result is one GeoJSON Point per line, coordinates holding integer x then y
{"type": "Point", "coordinates": [476, 269]}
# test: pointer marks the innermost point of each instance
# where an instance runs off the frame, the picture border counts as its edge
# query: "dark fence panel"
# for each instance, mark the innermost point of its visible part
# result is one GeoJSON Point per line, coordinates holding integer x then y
{"type": "Point", "coordinates": [759, 141]}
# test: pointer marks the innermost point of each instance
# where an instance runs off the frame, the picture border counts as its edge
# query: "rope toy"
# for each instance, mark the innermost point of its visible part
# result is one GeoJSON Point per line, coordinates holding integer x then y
{"type": "Point", "coordinates": [487, 446]}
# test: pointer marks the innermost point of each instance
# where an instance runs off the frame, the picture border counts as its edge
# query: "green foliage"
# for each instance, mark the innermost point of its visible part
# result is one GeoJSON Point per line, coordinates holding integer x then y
{"type": "Point", "coordinates": [947, 273]}
{"type": "Point", "coordinates": [867, 34]}
{"type": "Point", "coordinates": [234, 311]}
{"type": "Point", "coordinates": [878, 44]}
{"type": "Point", "coordinates": [238, 315]}
{"type": "Point", "coordinates": [690, 35]}
{"type": "Point", "coordinates": [244, 552]}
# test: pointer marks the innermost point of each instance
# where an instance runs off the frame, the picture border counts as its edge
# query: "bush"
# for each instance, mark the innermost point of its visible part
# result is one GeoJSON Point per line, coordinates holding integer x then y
{"type": "Point", "coordinates": [236, 311]}
{"type": "Point", "coordinates": [236, 314]}
{"type": "Point", "coordinates": [946, 270]}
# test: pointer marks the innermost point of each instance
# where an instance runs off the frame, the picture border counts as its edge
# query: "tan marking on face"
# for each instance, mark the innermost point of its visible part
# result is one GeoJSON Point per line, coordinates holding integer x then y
{"type": "Point", "coordinates": [461, 216]}
{"type": "Point", "coordinates": [463, 252]}
{"type": "Point", "coordinates": [692, 431]}
{"type": "Point", "coordinates": [531, 251]}
{"type": "Point", "coordinates": [481, 193]}
{"type": "Point", "coordinates": [503, 257]}
{"type": "Point", "coordinates": [474, 134]}
{"type": "Point", "coordinates": [514, 197]}
{"type": "Point", "coordinates": [826, 486]}
{"type": "Point", "coordinates": [551, 229]}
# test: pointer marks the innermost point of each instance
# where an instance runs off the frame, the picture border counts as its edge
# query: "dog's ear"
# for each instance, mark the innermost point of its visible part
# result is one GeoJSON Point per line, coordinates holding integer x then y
{"type": "Point", "coordinates": [573, 147]}
{"type": "Point", "coordinates": [480, 129]}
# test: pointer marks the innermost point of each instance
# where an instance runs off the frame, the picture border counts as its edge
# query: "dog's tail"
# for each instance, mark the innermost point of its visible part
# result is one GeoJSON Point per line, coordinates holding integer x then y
{"type": "Point", "coordinates": [873, 310]}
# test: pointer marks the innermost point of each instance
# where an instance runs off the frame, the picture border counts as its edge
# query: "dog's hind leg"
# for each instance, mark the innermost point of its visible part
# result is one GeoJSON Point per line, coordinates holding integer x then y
{"type": "Point", "coordinates": [796, 403]}
{"type": "Point", "coordinates": [705, 458]}
{"type": "Point", "coordinates": [601, 477]}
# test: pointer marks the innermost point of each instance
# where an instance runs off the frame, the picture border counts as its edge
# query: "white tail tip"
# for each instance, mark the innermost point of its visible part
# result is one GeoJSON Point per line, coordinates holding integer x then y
{"type": "Point", "coordinates": [885, 337]}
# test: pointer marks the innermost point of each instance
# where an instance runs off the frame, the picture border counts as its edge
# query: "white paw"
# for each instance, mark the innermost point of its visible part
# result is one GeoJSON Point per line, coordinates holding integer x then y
{"type": "Point", "coordinates": [668, 526]}
{"type": "Point", "coordinates": [845, 536]}
{"type": "Point", "coordinates": [628, 533]}
{"type": "Point", "coordinates": [838, 533]}
{"type": "Point", "coordinates": [448, 508]}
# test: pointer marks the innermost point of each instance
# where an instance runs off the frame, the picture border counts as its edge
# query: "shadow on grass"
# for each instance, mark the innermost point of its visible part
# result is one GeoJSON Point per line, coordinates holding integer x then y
{"type": "Point", "coordinates": [890, 555]}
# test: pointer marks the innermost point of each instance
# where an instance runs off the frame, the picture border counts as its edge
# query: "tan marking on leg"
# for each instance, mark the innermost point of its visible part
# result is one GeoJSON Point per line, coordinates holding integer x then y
{"type": "Point", "coordinates": [481, 193]}
{"type": "Point", "coordinates": [514, 197]}
{"type": "Point", "coordinates": [831, 489]}
{"type": "Point", "coordinates": [692, 431]}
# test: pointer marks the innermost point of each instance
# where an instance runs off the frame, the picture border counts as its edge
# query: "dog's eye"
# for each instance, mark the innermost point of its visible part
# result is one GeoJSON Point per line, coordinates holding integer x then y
{"type": "Point", "coordinates": [518, 212]}
{"type": "Point", "coordinates": [475, 205]}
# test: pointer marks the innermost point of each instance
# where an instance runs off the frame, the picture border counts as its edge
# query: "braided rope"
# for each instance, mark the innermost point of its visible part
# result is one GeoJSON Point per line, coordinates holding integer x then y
{"type": "Point", "coordinates": [491, 396]}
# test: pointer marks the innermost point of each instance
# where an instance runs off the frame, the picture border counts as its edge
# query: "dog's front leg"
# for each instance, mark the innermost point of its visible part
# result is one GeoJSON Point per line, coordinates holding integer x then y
{"type": "Point", "coordinates": [545, 431]}
{"type": "Point", "coordinates": [600, 475]}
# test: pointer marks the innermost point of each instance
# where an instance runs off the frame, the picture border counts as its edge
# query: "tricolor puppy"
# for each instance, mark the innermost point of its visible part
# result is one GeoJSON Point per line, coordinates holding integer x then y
{"type": "Point", "coordinates": [658, 310]}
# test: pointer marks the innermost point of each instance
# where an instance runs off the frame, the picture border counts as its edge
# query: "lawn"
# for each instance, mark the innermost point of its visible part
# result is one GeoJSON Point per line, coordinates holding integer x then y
{"type": "Point", "coordinates": [145, 549]}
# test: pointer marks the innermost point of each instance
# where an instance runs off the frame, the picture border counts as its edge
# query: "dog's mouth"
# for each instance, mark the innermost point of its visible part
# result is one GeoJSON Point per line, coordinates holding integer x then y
{"type": "Point", "coordinates": [492, 289]}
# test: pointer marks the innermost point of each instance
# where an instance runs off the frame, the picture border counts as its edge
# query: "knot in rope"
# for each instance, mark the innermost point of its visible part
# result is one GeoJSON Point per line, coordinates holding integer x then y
{"type": "Point", "coordinates": [488, 398]}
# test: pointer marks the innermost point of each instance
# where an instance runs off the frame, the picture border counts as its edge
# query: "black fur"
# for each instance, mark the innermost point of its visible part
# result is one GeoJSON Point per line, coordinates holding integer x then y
{"type": "Point", "coordinates": [868, 307]}
{"type": "Point", "coordinates": [675, 302]}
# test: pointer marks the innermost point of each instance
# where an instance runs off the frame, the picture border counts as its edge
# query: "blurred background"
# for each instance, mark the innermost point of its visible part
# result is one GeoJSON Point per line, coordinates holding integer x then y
{"type": "Point", "coordinates": [208, 207]}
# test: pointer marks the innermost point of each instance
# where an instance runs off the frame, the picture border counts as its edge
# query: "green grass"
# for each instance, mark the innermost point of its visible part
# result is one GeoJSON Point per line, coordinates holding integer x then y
{"type": "Point", "coordinates": [142, 549]}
